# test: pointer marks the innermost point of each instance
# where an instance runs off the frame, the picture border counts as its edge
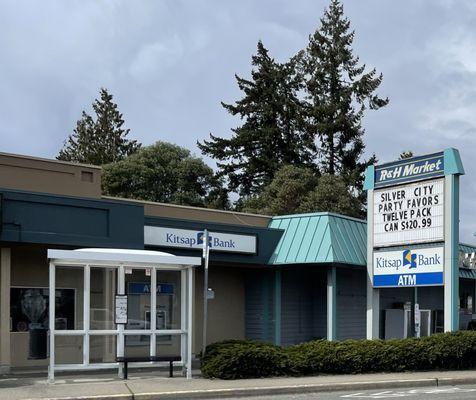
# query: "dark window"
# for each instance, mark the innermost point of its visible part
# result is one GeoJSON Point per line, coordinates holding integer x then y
{"type": "Point", "coordinates": [29, 308]}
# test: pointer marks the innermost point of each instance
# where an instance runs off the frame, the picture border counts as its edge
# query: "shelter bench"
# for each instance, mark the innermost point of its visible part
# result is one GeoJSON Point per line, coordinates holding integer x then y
{"type": "Point", "coordinates": [170, 359]}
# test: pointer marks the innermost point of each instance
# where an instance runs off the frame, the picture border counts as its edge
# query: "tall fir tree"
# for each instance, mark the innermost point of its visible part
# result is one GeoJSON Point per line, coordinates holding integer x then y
{"type": "Point", "coordinates": [338, 92]}
{"type": "Point", "coordinates": [272, 134]}
{"type": "Point", "coordinates": [101, 140]}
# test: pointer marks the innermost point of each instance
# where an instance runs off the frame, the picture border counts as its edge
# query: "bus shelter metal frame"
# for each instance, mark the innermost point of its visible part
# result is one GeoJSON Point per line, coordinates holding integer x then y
{"type": "Point", "coordinates": [122, 260]}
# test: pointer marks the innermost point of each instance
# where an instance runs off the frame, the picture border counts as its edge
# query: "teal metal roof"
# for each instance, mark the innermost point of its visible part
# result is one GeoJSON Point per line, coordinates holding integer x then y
{"type": "Point", "coordinates": [320, 238]}
{"type": "Point", "coordinates": [329, 238]}
{"type": "Point", "coordinates": [467, 273]}
{"type": "Point", "coordinates": [467, 248]}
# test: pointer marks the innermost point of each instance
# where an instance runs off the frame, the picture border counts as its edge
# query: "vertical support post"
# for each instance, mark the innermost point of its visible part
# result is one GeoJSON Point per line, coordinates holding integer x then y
{"type": "Point", "coordinates": [5, 283]}
{"type": "Point", "coordinates": [206, 254]}
{"type": "Point", "coordinates": [473, 309]}
{"type": "Point", "coordinates": [332, 303]}
{"type": "Point", "coordinates": [265, 295]}
{"type": "Point", "coordinates": [373, 295]}
{"type": "Point", "coordinates": [190, 321]}
{"type": "Point", "coordinates": [451, 268]}
{"type": "Point", "coordinates": [416, 314]}
{"type": "Point", "coordinates": [121, 289]}
{"type": "Point", "coordinates": [277, 307]}
{"type": "Point", "coordinates": [51, 307]}
{"type": "Point", "coordinates": [183, 319]}
{"type": "Point", "coordinates": [153, 311]}
{"type": "Point", "coordinates": [86, 312]}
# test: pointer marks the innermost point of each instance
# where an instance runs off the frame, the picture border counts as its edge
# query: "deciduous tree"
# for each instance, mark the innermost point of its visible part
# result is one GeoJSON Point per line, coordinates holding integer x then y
{"type": "Point", "coordinates": [164, 173]}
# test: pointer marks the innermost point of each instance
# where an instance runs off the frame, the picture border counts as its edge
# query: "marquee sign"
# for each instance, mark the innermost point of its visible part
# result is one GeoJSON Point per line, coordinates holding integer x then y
{"type": "Point", "coordinates": [193, 239]}
{"type": "Point", "coordinates": [408, 267]}
{"type": "Point", "coordinates": [411, 213]}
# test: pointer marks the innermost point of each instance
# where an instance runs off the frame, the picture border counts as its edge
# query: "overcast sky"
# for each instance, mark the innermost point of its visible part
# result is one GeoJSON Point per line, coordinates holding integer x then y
{"type": "Point", "coordinates": [170, 63]}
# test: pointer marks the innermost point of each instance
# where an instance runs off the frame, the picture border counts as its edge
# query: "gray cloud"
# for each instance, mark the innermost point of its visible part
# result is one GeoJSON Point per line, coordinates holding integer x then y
{"type": "Point", "coordinates": [170, 63]}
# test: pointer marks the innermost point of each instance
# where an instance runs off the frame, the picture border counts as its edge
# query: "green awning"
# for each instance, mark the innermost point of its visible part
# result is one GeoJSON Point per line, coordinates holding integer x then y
{"type": "Point", "coordinates": [320, 238]}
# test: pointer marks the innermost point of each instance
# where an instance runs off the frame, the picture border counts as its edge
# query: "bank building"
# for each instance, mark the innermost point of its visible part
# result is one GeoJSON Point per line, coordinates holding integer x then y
{"type": "Point", "coordinates": [126, 276]}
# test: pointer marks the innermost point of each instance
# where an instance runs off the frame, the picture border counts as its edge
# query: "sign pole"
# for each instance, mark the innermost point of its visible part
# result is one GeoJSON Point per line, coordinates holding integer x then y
{"type": "Point", "coordinates": [205, 257]}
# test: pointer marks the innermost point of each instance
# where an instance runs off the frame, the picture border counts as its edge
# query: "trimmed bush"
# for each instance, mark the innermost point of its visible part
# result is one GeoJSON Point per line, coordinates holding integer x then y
{"type": "Point", "coordinates": [235, 359]}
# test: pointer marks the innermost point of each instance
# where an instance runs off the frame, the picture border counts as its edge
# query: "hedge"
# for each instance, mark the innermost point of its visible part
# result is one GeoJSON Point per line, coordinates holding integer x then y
{"type": "Point", "coordinates": [236, 359]}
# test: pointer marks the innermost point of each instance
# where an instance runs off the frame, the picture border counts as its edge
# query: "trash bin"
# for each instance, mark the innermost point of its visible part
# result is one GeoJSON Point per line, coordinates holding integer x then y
{"type": "Point", "coordinates": [38, 344]}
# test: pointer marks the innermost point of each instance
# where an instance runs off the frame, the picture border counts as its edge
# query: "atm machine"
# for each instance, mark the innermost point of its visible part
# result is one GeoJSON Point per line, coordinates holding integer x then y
{"type": "Point", "coordinates": [398, 322]}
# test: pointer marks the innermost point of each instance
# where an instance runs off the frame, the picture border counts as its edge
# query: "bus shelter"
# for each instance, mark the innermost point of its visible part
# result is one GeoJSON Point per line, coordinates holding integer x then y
{"type": "Point", "coordinates": [126, 302]}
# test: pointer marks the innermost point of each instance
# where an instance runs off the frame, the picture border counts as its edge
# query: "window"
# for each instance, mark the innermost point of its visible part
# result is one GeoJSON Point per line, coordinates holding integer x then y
{"type": "Point", "coordinates": [29, 308]}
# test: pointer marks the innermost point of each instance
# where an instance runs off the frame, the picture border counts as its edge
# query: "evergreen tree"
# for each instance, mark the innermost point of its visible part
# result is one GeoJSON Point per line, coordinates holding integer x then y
{"type": "Point", "coordinates": [272, 134]}
{"type": "Point", "coordinates": [101, 140]}
{"type": "Point", "coordinates": [338, 92]}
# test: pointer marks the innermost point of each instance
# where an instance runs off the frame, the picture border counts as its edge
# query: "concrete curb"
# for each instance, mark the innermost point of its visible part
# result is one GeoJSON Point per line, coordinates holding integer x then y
{"type": "Point", "coordinates": [290, 389]}
{"type": "Point", "coordinates": [277, 390]}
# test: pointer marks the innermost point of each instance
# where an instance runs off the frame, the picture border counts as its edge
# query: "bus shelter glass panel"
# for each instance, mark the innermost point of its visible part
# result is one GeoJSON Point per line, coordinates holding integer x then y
{"type": "Point", "coordinates": [138, 291]}
{"type": "Point", "coordinates": [102, 349]}
{"type": "Point", "coordinates": [168, 345]}
{"type": "Point", "coordinates": [69, 299]}
{"type": "Point", "coordinates": [168, 301]}
{"type": "Point", "coordinates": [69, 349]}
{"type": "Point", "coordinates": [102, 298]}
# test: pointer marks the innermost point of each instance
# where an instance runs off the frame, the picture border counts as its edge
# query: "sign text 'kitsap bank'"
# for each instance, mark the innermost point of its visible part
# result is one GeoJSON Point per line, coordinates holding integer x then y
{"type": "Point", "coordinates": [409, 267]}
{"type": "Point", "coordinates": [193, 239]}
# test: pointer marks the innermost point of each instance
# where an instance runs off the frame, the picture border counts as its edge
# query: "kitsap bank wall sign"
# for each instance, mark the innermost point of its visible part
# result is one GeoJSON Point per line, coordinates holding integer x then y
{"type": "Point", "coordinates": [193, 239]}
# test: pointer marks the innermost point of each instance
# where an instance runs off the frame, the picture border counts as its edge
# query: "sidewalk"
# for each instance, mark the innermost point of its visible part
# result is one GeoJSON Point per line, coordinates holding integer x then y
{"type": "Point", "coordinates": [145, 386]}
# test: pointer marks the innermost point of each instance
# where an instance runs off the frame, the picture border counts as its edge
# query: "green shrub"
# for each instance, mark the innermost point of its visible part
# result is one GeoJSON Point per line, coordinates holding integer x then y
{"type": "Point", "coordinates": [244, 359]}
{"type": "Point", "coordinates": [234, 359]}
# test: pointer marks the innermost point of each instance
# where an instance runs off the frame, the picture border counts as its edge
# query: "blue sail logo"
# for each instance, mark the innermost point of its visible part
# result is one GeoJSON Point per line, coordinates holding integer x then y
{"type": "Point", "coordinates": [409, 259]}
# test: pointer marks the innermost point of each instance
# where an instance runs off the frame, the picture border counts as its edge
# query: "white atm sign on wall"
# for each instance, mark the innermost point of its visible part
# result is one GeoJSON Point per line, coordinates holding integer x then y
{"type": "Point", "coordinates": [410, 213]}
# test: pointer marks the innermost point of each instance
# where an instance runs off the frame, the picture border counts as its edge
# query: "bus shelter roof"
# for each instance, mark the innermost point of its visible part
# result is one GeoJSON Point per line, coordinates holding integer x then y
{"type": "Point", "coordinates": [126, 257]}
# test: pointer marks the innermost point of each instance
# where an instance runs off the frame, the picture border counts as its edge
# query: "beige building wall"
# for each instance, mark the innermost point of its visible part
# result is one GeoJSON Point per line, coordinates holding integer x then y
{"type": "Point", "coordinates": [49, 176]}
{"type": "Point", "coordinates": [226, 312]}
{"type": "Point", "coordinates": [163, 210]}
